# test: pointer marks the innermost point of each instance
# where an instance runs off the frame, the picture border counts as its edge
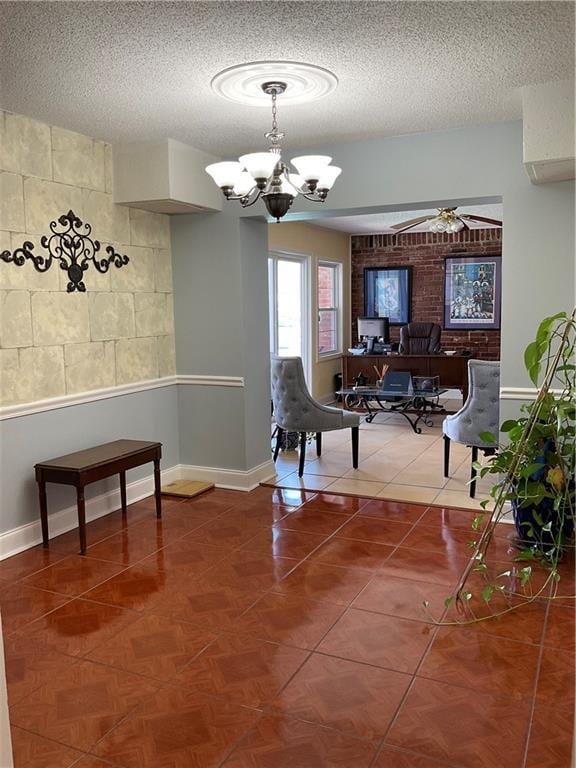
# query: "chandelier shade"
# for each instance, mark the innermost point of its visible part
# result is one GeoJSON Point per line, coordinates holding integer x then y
{"type": "Point", "coordinates": [259, 164]}
{"type": "Point", "coordinates": [244, 184]}
{"type": "Point", "coordinates": [328, 176]}
{"type": "Point", "coordinates": [225, 175]}
{"type": "Point", "coordinates": [310, 167]}
{"type": "Point", "coordinates": [264, 174]}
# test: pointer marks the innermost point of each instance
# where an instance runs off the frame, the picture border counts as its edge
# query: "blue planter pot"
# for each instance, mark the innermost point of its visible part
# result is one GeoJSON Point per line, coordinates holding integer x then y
{"type": "Point", "coordinates": [524, 520]}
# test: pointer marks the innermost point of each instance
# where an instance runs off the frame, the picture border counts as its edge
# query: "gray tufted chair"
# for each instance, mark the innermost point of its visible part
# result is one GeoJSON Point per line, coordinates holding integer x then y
{"type": "Point", "coordinates": [480, 413]}
{"type": "Point", "coordinates": [420, 339]}
{"type": "Point", "coordinates": [296, 411]}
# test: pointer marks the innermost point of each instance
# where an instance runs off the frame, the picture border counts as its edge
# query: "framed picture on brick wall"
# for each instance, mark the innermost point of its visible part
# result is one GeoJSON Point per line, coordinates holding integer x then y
{"type": "Point", "coordinates": [472, 292]}
{"type": "Point", "coordinates": [387, 293]}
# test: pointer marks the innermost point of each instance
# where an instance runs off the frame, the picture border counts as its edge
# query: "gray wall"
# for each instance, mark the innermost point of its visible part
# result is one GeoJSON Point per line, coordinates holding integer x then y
{"type": "Point", "coordinates": [254, 257]}
{"type": "Point", "coordinates": [26, 440]}
{"type": "Point", "coordinates": [221, 319]}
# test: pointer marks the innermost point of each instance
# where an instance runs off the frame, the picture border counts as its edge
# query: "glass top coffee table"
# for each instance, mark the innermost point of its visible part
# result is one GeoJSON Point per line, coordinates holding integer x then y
{"type": "Point", "coordinates": [415, 406]}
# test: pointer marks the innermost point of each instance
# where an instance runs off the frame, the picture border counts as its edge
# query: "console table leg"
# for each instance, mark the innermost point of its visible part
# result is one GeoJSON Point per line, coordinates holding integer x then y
{"type": "Point", "coordinates": [123, 492]}
{"type": "Point", "coordinates": [157, 488]}
{"type": "Point", "coordinates": [43, 512]}
{"type": "Point", "coordinates": [81, 518]}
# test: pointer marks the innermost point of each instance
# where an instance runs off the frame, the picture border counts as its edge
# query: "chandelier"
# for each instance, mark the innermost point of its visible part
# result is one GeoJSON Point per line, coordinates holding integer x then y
{"type": "Point", "coordinates": [265, 175]}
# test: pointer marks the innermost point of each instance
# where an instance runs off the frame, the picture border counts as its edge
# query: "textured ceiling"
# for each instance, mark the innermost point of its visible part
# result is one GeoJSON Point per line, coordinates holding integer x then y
{"type": "Point", "coordinates": [124, 71]}
{"type": "Point", "coordinates": [380, 223]}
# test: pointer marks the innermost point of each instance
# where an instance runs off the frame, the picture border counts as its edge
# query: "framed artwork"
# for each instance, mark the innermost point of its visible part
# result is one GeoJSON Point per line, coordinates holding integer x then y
{"type": "Point", "coordinates": [472, 292]}
{"type": "Point", "coordinates": [387, 293]}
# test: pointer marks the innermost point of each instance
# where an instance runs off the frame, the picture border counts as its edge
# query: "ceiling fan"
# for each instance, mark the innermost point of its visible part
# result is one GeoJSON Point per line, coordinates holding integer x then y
{"type": "Point", "coordinates": [446, 220]}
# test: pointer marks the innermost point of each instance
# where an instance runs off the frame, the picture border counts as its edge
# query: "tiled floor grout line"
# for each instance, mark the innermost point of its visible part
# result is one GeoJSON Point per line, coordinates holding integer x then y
{"type": "Point", "coordinates": [81, 595]}
{"type": "Point", "coordinates": [268, 711]}
{"type": "Point", "coordinates": [393, 500]}
{"type": "Point", "coordinates": [406, 694]}
{"type": "Point", "coordinates": [83, 751]}
{"type": "Point", "coordinates": [411, 753]}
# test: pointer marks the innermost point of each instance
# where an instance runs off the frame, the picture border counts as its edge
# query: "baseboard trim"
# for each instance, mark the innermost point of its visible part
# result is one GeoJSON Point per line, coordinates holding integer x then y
{"type": "Point", "coordinates": [30, 534]}
{"type": "Point", "coordinates": [232, 479]}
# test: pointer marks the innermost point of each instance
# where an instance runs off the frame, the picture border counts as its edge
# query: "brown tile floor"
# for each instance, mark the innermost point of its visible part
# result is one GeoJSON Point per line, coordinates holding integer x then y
{"type": "Point", "coordinates": [278, 629]}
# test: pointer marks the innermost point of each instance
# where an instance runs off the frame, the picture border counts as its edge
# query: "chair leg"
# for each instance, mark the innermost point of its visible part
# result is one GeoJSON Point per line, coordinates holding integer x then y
{"type": "Point", "coordinates": [279, 436]}
{"type": "Point", "coordinates": [473, 472]}
{"type": "Point", "coordinates": [355, 436]}
{"type": "Point", "coordinates": [318, 443]}
{"type": "Point", "coordinates": [302, 454]}
{"type": "Point", "coordinates": [446, 456]}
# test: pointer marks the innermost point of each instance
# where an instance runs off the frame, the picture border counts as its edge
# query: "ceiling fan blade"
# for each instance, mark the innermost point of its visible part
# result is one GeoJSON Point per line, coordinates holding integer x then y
{"type": "Point", "coordinates": [411, 222]}
{"type": "Point", "coordinates": [473, 217]}
{"type": "Point", "coordinates": [404, 229]}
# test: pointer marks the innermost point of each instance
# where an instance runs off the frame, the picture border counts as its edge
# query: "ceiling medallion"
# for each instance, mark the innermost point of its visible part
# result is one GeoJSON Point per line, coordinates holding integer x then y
{"type": "Point", "coordinates": [265, 175]}
{"type": "Point", "coordinates": [303, 82]}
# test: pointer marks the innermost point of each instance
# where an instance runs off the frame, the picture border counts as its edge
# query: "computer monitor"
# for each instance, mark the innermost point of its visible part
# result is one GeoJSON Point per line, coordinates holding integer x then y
{"type": "Point", "coordinates": [374, 327]}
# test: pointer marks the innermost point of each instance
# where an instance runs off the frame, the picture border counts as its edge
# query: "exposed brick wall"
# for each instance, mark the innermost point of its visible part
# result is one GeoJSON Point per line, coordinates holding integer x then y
{"type": "Point", "coordinates": [425, 253]}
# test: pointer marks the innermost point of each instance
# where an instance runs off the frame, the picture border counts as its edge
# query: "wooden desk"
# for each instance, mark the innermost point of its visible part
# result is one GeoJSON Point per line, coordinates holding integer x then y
{"type": "Point", "coordinates": [451, 369]}
{"type": "Point", "coordinates": [84, 467]}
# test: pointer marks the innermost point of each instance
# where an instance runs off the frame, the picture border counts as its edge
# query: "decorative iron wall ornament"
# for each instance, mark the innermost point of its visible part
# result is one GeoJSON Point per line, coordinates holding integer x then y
{"type": "Point", "coordinates": [69, 244]}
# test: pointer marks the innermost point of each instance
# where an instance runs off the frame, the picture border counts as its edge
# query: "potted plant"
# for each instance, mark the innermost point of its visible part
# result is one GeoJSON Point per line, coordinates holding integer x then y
{"type": "Point", "coordinates": [534, 465]}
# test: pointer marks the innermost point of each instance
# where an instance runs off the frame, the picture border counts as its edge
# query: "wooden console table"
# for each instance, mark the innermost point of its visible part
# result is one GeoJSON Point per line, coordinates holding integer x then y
{"type": "Point", "coordinates": [84, 467]}
{"type": "Point", "coordinates": [452, 370]}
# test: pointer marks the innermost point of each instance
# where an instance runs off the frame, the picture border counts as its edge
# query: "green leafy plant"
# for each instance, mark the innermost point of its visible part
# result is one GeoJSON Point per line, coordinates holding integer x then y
{"type": "Point", "coordinates": [534, 466]}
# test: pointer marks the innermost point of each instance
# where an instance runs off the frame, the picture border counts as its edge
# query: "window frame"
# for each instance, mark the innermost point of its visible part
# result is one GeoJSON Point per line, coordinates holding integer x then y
{"type": "Point", "coordinates": [304, 259]}
{"type": "Point", "coordinates": [336, 308]}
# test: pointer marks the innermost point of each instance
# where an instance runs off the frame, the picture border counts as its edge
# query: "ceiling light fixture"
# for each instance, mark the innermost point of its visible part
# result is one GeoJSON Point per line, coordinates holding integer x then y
{"type": "Point", "coordinates": [265, 175]}
{"type": "Point", "coordinates": [446, 221]}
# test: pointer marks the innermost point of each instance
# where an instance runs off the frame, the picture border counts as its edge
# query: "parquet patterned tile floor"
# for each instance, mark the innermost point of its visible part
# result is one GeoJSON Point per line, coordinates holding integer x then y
{"type": "Point", "coordinates": [280, 629]}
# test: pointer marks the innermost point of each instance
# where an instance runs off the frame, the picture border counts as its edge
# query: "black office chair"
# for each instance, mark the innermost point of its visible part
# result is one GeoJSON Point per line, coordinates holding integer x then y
{"type": "Point", "coordinates": [420, 339]}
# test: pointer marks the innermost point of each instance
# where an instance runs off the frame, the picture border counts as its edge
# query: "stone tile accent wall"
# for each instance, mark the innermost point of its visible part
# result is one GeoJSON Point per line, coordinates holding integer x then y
{"type": "Point", "coordinates": [121, 330]}
{"type": "Point", "coordinates": [425, 253]}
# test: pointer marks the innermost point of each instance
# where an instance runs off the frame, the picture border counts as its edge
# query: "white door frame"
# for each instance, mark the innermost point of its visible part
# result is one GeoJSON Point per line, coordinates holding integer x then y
{"type": "Point", "coordinates": [305, 259]}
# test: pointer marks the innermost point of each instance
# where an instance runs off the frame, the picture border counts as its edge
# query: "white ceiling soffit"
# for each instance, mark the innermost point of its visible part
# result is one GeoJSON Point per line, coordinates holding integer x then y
{"type": "Point", "coordinates": [381, 223]}
{"type": "Point", "coordinates": [127, 71]}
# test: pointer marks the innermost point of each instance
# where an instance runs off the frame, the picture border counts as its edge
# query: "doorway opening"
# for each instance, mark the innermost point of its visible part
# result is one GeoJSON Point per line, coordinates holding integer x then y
{"type": "Point", "coordinates": [398, 462]}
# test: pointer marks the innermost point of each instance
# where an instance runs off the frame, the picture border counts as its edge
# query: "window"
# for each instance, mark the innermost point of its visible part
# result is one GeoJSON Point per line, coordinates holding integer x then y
{"type": "Point", "coordinates": [289, 306]}
{"type": "Point", "coordinates": [329, 314]}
